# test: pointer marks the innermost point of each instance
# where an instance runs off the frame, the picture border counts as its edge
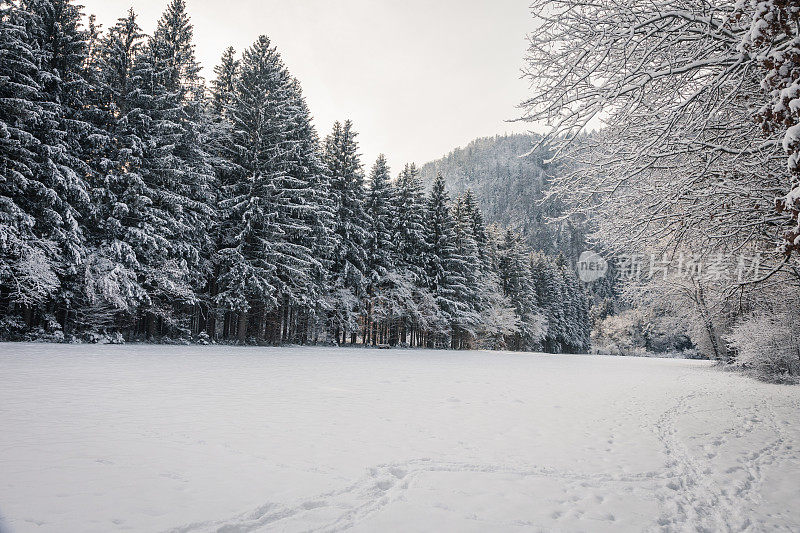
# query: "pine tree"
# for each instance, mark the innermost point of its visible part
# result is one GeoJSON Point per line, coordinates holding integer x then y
{"type": "Point", "coordinates": [550, 290]}
{"type": "Point", "coordinates": [224, 83]}
{"type": "Point", "coordinates": [306, 220]}
{"type": "Point", "coordinates": [111, 286]}
{"type": "Point", "coordinates": [276, 204]}
{"type": "Point", "coordinates": [47, 119]}
{"type": "Point", "coordinates": [577, 310]}
{"type": "Point", "coordinates": [250, 230]}
{"type": "Point", "coordinates": [61, 50]}
{"type": "Point", "coordinates": [497, 324]}
{"type": "Point", "coordinates": [29, 254]}
{"type": "Point", "coordinates": [413, 307]}
{"type": "Point", "coordinates": [516, 282]}
{"type": "Point", "coordinates": [96, 139]}
{"type": "Point", "coordinates": [173, 196]}
{"type": "Point", "coordinates": [222, 153]}
{"type": "Point", "coordinates": [379, 244]}
{"type": "Point", "coordinates": [477, 222]}
{"type": "Point", "coordinates": [379, 217]}
{"type": "Point", "coordinates": [467, 324]}
{"type": "Point", "coordinates": [409, 227]}
{"type": "Point", "coordinates": [348, 258]}
{"type": "Point", "coordinates": [445, 266]}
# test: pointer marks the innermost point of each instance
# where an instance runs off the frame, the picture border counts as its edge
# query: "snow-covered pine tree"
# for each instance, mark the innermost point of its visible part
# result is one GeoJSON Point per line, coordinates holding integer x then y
{"type": "Point", "coordinates": [468, 325]}
{"type": "Point", "coordinates": [276, 212]}
{"type": "Point", "coordinates": [515, 279]}
{"type": "Point", "coordinates": [111, 292]}
{"type": "Point", "coordinates": [224, 83]}
{"type": "Point", "coordinates": [409, 223]}
{"type": "Point", "coordinates": [28, 252]}
{"type": "Point", "coordinates": [222, 151]}
{"type": "Point", "coordinates": [167, 106]}
{"type": "Point", "coordinates": [306, 222]}
{"type": "Point", "coordinates": [498, 322]}
{"type": "Point", "coordinates": [96, 138]}
{"type": "Point", "coordinates": [48, 44]}
{"type": "Point", "coordinates": [577, 306]}
{"type": "Point", "coordinates": [411, 248]}
{"type": "Point", "coordinates": [549, 285]}
{"type": "Point", "coordinates": [477, 222]}
{"type": "Point", "coordinates": [248, 281]}
{"type": "Point", "coordinates": [222, 93]}
{"type": "Point", "coordinates": [62, 46]}
{"type": "Point", "coordinates": [446, 268]}
{"type": "Point", "coordinates": [379, 243]}
{"type": "Point", "coordinates": [348, 258]}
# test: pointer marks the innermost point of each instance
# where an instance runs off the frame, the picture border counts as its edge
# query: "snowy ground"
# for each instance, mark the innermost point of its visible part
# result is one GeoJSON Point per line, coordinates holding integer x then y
{"type": "Point", "coordinates": [185, 439]}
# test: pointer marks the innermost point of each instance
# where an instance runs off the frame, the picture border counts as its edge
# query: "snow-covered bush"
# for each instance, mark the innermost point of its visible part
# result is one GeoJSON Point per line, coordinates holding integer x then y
{"type": "Point", "coordinates": [642, 333]}
{"type": "Point", "coordinates": [51, 330]}
{"type": "Point", "coordinates": [110, 287]}
{"type": "Point", "coordinates": [768, 343]}
{"type": "Point", "coordinates": [11, 327]}
{"type": "Point", "coordinates": [103, 337]}
{"type": "Point", "coordinates": [669, 335]}
{"type": "Point", "coordinates": [48, 331]}
{"type": "Point", "coordinates": [622, 334]}
{"type": "Point", "coordinates": [30, 277]}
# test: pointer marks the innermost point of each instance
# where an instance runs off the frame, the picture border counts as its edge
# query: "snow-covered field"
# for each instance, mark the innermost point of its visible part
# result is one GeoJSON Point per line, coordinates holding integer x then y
{"type": "Point", "coordinates": [151, 438]}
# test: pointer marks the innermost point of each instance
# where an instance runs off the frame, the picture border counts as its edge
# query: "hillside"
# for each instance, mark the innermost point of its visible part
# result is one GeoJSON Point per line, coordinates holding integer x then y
{"type": "Point", "coordinates": [509, 186]}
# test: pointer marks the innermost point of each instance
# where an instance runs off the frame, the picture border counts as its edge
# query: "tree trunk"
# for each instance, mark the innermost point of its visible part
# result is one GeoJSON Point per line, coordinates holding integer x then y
{"type": "Point", "coordinates": [151, 326]}
{"type": "Point", "coordinates": [211, 323]}
{"type": "Point", "coordinates": [242, 327]}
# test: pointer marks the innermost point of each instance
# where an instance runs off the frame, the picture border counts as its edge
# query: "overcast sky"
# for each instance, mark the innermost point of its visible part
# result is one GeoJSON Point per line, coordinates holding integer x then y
{"type": "Point", "coordinates": [417, 77]}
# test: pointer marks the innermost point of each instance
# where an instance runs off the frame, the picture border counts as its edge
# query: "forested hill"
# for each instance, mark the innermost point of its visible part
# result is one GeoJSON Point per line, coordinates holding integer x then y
{"type": "Point", "coordinates": [509, 186]}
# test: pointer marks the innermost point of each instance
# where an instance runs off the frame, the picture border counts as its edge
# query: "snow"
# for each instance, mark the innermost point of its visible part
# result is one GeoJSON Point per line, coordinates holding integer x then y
{"type": "Point", "coordinates": [184, 439]}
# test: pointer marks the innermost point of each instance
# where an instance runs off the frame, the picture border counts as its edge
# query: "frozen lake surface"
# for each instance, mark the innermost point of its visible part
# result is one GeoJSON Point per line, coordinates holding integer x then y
{"type": "Point", "coordinates": [159, 438]}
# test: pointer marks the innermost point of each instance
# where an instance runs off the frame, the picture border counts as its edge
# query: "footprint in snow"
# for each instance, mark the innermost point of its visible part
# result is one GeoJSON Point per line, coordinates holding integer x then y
{"type": "Point", "coordinates": [384, 485]}
{"type": "Point", "coordinates": [314, 505]}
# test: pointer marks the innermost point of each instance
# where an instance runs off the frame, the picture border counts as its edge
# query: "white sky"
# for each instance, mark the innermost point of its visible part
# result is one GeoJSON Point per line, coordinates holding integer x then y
{"type": "Point", "coordinates": [417, 77]}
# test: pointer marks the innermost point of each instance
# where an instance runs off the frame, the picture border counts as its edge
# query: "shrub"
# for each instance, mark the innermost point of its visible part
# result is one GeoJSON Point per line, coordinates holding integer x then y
{"type": "Point", "coordinates": [768, 343]}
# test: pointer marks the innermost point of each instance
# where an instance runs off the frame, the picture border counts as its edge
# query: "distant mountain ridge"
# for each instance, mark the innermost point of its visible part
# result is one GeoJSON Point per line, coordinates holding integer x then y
{"type": "Point", "coordinates": [509, 183]}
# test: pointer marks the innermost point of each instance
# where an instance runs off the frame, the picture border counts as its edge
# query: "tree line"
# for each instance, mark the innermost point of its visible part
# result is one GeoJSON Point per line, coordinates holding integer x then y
{"type": "Point", "coordinates": [138, 202]}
